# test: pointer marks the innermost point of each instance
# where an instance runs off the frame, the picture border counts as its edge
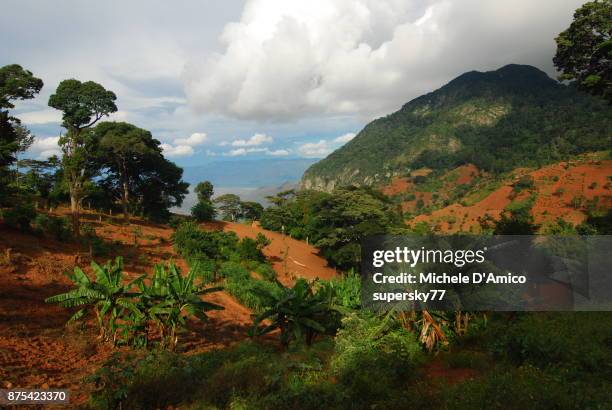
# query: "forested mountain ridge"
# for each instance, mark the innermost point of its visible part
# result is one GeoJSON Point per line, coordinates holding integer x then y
{"type": "Point", "coordinates": [497, 120]}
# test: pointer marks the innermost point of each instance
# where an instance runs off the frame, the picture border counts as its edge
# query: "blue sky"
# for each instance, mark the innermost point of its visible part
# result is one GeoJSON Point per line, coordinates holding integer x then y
{"type": "Point", "coordinates": [217, 80]}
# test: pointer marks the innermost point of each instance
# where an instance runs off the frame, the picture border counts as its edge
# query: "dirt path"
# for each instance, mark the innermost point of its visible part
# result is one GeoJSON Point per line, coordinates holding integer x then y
{"type": "Point", "coordinates": [290, 258]}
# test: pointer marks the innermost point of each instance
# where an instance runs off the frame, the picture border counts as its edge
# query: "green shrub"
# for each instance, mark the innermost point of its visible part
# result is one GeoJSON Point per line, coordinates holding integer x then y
{"type": "Point", "coordinates": [57, 227]}
{"type": "Point", "coordinates": [579, 341]}
{"type": "Point", "coordinates": [20, 216]}
{"type": "Point", "coordinates": [346, 289]}
{"type": "Point", "coordinates": [266, 271]}
{"type": "Point", "coordinates": [203, 211]}
{"type": "Point", "coordinates": [524, 388]}
{"type": "Point", "coordinates": [388, 352]}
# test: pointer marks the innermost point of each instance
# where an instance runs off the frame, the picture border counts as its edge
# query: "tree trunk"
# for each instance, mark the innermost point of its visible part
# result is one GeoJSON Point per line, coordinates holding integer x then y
{"type": "Point", "coordinates": [125, 193]}
{"type": "Point", "coordinates": [74, 209]}
{"type": "Point", "coordinates": [124, 201]}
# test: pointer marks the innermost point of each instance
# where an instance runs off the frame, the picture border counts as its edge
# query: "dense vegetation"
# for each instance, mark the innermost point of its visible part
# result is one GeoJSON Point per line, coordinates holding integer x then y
{"type": "Point", "coordinates": [334, 222]}
{"type": "Point", "coordinates": [498, 120]}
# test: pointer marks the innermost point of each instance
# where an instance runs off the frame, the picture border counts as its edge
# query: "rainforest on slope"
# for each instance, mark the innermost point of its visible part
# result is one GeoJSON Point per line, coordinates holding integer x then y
{"type": "Point", "coordinates": [498, 120]}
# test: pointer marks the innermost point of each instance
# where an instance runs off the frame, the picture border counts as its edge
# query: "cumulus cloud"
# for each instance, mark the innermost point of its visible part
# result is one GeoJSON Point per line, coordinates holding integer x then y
{"type": "Point", "coordinates": [343, 139]}
{"type": "Point", "coordinates": [287, 59]}
{"type": "Point", "coordinates": [315, 149]}
{"type": "Point", "coordinates": [238, 152]}
{"type": "Point", "coordinates": [257, 139]}
{"type": "Point", "coordinates": [197, 138]}
{"type": "Point", "coordinates": [44, 116]}
{"type": "Point", "coordinates": [43, 148]}
{"type": "Point", "coordinates": [184, 147]}
{"type": "Point", "coordinates": [177, 150]}
{"type": "Point", "coordinates": [324, 147]}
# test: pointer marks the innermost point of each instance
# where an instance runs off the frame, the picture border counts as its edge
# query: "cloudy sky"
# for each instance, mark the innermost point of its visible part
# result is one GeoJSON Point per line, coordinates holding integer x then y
{"type": "Point", "coordinates": [234, 79]}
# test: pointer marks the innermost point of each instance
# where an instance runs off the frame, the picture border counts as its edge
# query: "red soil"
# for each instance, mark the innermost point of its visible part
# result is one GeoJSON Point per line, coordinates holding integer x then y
{"type": "Point", "coordinates": [38, 351]}
{"type": "Point", "coordinates": [290, 258]}
{"type": "Point", "coordinates": [561, 190]}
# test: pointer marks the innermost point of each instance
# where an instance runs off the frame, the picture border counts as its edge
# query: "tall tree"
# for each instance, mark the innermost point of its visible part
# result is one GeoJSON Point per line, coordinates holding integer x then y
{"type": "Point", "coordinates": [15, 84]}
{"type": "Point", "coordinates": [251, 210]}
{"type": "Point", "coordinates": [584, 50]}
{"type": "Point", "coordinates": [204, 190]}
{"type": "Point", "coordinates": [133, 168]}
{"type": "Point", "coordinates": [121, 148]}
{"type": "Point", "coordinates": [230, 206]}
{"type": "Point", "coordinates": [83, 104]}
{"type": "Point", "coordinates": [204, 210]}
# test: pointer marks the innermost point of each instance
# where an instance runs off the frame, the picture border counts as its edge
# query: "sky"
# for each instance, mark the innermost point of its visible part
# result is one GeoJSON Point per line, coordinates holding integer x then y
{"type": "Point", "coordinates": [252, 79]}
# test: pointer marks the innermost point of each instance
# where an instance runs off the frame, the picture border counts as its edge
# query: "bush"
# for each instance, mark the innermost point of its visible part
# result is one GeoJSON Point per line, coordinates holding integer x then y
{"type": "Point", "coordinates": [20, 216]}
{"type": "Point", "coordinates": [57, 227]}
{"type": "Point", "coordinates": [524, 388]}
{"type": "Point", "coordinates": [203, 211]}
{"type": "Point", "coordinates": [266, 272]}
{"type": "Point", "coordinates": [579, 341]}
{"type": "Point", "coordinates": [388, 352]}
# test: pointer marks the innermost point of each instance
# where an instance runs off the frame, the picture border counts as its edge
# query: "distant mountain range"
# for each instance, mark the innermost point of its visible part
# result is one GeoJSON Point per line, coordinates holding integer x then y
{"type": "Point", "coordinates": [498, 120]}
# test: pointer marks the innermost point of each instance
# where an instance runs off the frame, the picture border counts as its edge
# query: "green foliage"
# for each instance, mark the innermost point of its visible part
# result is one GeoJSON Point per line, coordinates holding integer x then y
{"type": "Point", "coordinates": [498, 120]}
{"type": "Point", "coordinates": [107, 295]}
{"type": "Point", "coordinates": [192, 242]}
{"type": "Point", "coordinates": [524, 182]}
{"type": "Point", "coordinates": [574, 341]}
{"type": "Point", "coordinates": [57, 227]}
{"type": "Point", "coordinates": [299, 312]}
{"type": "Point", "coordinates": [346, 289]}
{"type": "Point", "coordinates": [389, 352]}
{"type": "Point", "coordinates": [230, 206]}
{"type": "Point", "coordinates": [169, 299]}
{"type": "Point", "coordinates": [125, 309]}
{"type": "Point", "coordinates": [133, 169]}
{"type": "Point", "coordinates": [597, 224]}
{"type": "Point", "coordinates": [203, 211]}
{"type": "Point", "coordinates": [15, 84]}
{"type": "Point", "coordinates": [335, 223]}
{"type": "Point", "coordinates": [204, 191]}
{"type": "Point", "coordinates": [584, 49]}
{"type": "Point", "coordinates": [251, 210]}
{"type": "Point", "coordinates": [20, 216]}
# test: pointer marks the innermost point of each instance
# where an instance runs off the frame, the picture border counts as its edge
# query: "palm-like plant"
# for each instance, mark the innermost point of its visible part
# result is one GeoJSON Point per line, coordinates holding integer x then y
{"type": "Point", "coordinates": [170, 298]}
{"type": "Point", "coordinates": [108, 296]}
{"type": "Point", "coordinates": [299, 312]}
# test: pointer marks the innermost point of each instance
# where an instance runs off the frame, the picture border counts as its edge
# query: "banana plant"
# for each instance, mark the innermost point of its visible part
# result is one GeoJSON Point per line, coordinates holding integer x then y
{"type": "Point", "coordinates": [299, 312]}
{"type": "Point", "coordinates": [107, 295]}
{"type": "Point", "coordinates": [170, 299]}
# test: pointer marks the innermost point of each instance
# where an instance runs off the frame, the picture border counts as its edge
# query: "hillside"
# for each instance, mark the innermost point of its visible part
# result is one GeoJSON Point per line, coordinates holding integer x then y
{"type": "Point", "coordinates": [498, 120]}
{"type": "Point", "coordinates": [37, 350]}
{"type": "Point", "coordinates": [458, 200]}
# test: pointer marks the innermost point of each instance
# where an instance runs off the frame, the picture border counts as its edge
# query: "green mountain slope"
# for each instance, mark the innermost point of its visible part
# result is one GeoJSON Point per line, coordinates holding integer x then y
{"type": "Point", "coordinates": [498, 120]}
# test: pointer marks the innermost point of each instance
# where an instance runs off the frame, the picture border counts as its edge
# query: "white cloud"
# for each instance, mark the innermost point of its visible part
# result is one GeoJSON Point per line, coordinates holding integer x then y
{"type": "Point", "coordinates": [197, 138]}
{"type": "Point", "coordinates": [289, 59]}
{"type": "Point", "coordinates": [43, 148]}
{"type": "Point", "coordinates": [40, 117]}
{"type": "Point", "coordinates": [315, 149]}
{"type": "Point", "coordinates": [343, 139]}
{"type": "Point", "coordinates": [255, 140]}
{"type": "Point", "coordinates": [238, 152]}
{"type": "Point", "coordinates": [279, 153]}
{"type": "Point", "coordinates": [184, 147]}
{"type": "Point", "coordinates": [177, 150]}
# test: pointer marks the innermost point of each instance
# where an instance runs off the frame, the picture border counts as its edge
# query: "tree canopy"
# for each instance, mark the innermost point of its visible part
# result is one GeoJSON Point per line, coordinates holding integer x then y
{"type": "Point", "coordinates": [133, 169]}
{"type": "Point", "coordinates": [584, 49]}
{"type": "Point", "coordinates": [82, 104]}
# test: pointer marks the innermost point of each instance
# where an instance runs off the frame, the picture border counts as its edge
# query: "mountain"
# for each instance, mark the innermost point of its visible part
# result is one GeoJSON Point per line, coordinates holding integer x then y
{"type": "Point", "coordinates": [497, 120]}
